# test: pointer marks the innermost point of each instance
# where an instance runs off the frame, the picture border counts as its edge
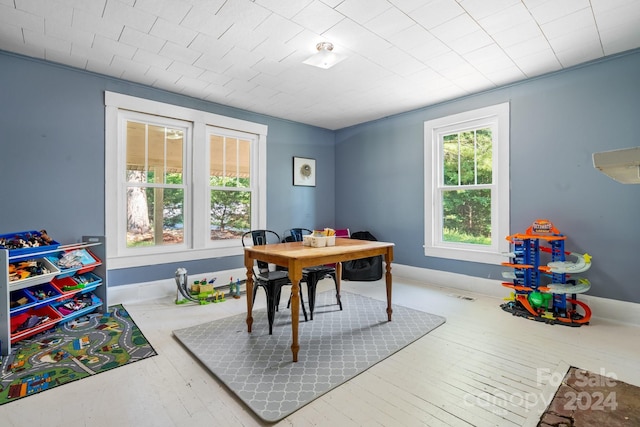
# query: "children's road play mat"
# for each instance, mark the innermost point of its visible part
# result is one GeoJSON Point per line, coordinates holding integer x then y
{"type": "Point", "coordinates": [72, 351]}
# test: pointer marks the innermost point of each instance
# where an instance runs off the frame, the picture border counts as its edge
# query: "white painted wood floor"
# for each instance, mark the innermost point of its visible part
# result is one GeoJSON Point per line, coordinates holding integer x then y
{"type": "Point", "coordinates": [483, 367]}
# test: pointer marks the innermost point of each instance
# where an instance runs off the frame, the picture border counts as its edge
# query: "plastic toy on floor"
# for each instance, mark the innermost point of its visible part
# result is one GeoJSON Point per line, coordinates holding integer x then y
{"type": "Point", "coordinates": [540, 290]}
{"type": "Point", "coordinates": [201, 291]}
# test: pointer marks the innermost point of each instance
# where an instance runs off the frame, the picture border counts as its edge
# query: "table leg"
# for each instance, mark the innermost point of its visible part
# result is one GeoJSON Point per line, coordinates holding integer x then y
{"type": "Point", "coordinates": [387, 260]}
{"type": "Point", "coordinates": [248, 263]}
{"type": "Point", "coordinates": [338, 282]}
{"type": "Point", "coordinates": [295, 274]}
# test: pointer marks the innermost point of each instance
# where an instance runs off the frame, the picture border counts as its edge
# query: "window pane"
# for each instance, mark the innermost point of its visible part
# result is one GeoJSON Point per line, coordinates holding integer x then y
{"type": "Point", "coordinates": [155, 216]}
{"type": "Point", "coordinates": [450, 150]}
{"type": "Point", "coordinates": [484, 156]}
{"type": "Point", "coordinates": [156, 150]}
{"type": "Point", "coordinates": [230, 213]}
{"type": "Point", "coordinates": [467, 216]}
{"type": "Point", "coordinates": [467, 158]}
{"type": "Point", "coordinates": [230, 157]}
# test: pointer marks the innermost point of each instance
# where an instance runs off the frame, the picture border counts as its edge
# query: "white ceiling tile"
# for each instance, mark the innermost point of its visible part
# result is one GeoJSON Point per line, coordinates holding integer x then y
{"type": "Point", "coordinates": [64, 58]}
{"type": "Point", "coordinates": [286, 8]}
{"type": "Point", "coordinates": [269, 67]}
{"type": "Point", "coordinates": [538, 63]}
{"type": "Point", "coordinates": [179, 35]}
{"type": "Point", "coordinates": [581, 39]}
{"type": "Point", "coordinates": [62, 31]}
{"type": "Point", "coordinates": [569, 58]}
{"type": "Point", "coordinates": [152, 59]}
{"type": "Point", "coordinates": [187, 70]}
{"type": "Point", "coordinates": [436, 12]}
{"type": "Point", "coordinates": [39, 39]}
{"type": "Point", "coordinates": [91, 54]}
{"type": "Point", "coordinates": [356, 38]}
{"type": "Point", "coordinates": [170, 10]}
{"type": "Point", "coordinates": [214, 78]}
{"type": "Point", "coordinates": [619, 40]}
{"type": "Point", "coordinates": [94, 7]}
{"type": "Point", "coordinates": [626, 16]}
{"type": "Point", "coordinates": [192, 85]}
{"type": "Point", "coordinates": [213, 63]}
{"type": "Point", "coordinates": [278, 28]}
{"type": "Point", "coordinates": [240, 57]}
{"type": "Point", "coordinates": [399, 62]}
{"type": "Point", "coordinates": [240, 36]}
{"type": "Point", "coordinates": [10, 34]}
{"type": "Point", "coordinates": [97, 66]}
{"type": "Point", "coordinates": [569, 24]}
{"type": "Point", "coordinates": [407, 5]}
{"type": "Point", "coordinates": [454, 29]}
{"type": "Point", "coordinates": [141, 40]}
{"type": "Point", "coordinates": [506, 76]}
{"type": "Point", "coordinates": [318, 17]}
{"type": "Point", "coordinates": [362, 11]}
{"type": "Point", "coordinates": [48, 8]}
{"type": "Point", "coordinates": [201, 20]}
{"type": "Point", "coordinates": [273, 50]}
{"type": "Point", "coordinates": [528, 47]}
{"type": "Point", "coordinates": [482, 9]}
{"type": "Point", "coordinates": [128, 66]}
{"type": "Point", "coordinates": [20, 18]}
{"type": "Point", "coordinates": [430, 49]}
{"type": "Point", "coordinates": [410, 38]}
{"type": "Point", "coordinates": [129, 16]}
{"type": "Point", "coordinates": [179, 53]}
{"type": "Point", "coordinates": [244, 13]}
{"type": "Point", "coordinates": [471, 42]}
{"type": "Point", "coordinates": [510, 17]}
{"type": "Point", "coordinates": [390, 22]}
{"type": "Point", "coordinates": [162, 76]}
{"type": "Point", "coordinates": [552, 10]}
{"type": "Point", "coordinates": [88, 22]}
{"type": "Point", "coordinates": [107, 47]}
{"type": "Point", "coordinates": [514, 35]}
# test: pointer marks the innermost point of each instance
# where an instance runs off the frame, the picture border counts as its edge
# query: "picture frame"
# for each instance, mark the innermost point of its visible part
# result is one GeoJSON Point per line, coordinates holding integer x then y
{"type": "Point", "coordinates": [304, 172]}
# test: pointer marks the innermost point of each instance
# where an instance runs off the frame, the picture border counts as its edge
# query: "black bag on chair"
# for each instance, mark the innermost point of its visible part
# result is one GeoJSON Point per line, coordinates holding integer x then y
{"type": "Point", "coordinates": [364, 269]}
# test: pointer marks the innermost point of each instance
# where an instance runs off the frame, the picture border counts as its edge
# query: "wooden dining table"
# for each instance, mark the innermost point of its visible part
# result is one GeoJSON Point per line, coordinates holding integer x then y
{"type": "Point", "coordinates": [295, 256]}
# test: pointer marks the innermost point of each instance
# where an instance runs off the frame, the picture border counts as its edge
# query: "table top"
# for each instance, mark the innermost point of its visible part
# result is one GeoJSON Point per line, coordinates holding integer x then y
{"type": "Point", "coordinates": [344, 250]}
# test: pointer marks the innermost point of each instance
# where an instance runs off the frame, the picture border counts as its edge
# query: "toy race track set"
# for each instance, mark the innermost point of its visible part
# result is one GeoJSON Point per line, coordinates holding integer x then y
{"type": "Point", "coordinates": [546, 292]}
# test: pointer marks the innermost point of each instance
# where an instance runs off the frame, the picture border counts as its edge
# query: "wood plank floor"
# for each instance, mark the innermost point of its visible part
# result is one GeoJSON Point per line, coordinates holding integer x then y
{"type": "Point", "coordinates": [483, 367]}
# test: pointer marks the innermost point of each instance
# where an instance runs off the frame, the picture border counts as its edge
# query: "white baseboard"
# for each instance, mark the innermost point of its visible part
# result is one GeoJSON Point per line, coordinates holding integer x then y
{"type": "Point", "coordinates": [603, 308]}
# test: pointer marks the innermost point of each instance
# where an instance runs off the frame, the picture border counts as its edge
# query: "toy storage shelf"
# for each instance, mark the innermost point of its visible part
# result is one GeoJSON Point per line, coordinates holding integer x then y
{"type": "Point", "coordinates": [84, 285]}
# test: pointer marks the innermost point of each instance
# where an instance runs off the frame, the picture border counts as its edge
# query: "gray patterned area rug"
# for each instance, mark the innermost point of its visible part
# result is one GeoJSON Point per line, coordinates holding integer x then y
{"type": "Point", "coordinates": [334, 347]}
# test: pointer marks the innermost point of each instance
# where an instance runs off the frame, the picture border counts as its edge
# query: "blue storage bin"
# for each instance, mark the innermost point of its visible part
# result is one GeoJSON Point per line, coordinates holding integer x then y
{"type": "Point", "coordinates": [25, 235]}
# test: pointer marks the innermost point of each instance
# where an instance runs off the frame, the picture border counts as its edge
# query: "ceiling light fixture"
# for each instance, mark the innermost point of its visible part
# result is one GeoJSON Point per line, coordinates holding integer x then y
{"type": "Point", "coordinates": [325, 58]}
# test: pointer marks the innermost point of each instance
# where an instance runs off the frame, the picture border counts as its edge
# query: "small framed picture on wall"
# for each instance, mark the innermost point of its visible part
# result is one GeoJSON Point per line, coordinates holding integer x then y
{"type": "Point", "coordinates": [304, 171]}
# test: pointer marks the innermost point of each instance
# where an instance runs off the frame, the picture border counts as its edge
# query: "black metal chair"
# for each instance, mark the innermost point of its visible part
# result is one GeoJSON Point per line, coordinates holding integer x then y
{"type": "Point", "coordinates": [271, 281]}
{"type": "Point", "coordinates": [312, 275]}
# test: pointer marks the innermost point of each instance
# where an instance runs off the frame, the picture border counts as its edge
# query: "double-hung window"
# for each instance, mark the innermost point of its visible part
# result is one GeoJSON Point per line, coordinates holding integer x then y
{"type": "Point", "coordinates": [467, 185]}
{"type": "Point", "coordinates": [181, 184]}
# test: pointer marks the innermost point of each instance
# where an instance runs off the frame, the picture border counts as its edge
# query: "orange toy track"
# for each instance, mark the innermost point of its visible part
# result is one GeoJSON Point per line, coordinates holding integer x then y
{"type": "Point", "coordinates": [587, 311]}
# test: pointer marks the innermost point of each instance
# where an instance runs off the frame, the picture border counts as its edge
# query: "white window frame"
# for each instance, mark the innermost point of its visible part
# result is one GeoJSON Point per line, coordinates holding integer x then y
{"type": "Point", "coordinates": [197, 244]}
{"type": "Point", "coordinates": [496, 117]}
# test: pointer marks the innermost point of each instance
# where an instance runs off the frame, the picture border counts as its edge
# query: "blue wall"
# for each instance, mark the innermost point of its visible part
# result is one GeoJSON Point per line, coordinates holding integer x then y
{"type": "Point", "coordinates": [557, 122]}
{"type": "Point", "coordinates": [52, 159]}
{"type": "Point", "coordinates": [370, 176]}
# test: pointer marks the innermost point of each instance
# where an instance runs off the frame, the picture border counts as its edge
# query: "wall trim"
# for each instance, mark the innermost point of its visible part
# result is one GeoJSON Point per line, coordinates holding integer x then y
{"type": "Point", "coordinates": [603, 308]}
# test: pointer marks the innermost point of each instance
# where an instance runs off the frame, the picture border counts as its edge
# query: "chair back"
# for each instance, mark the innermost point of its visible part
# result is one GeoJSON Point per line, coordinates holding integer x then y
{"type": "Point", "coordinates": [295, 234]}
{"type": "Point", "coordinates": [259, 238]}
